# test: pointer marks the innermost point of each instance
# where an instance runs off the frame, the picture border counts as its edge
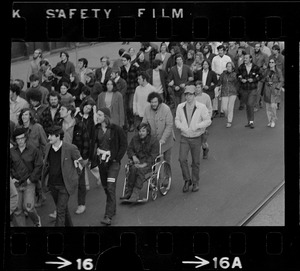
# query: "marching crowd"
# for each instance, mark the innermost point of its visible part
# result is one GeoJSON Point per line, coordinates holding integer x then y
{"type": "Point", "coordinates": [70, 118]}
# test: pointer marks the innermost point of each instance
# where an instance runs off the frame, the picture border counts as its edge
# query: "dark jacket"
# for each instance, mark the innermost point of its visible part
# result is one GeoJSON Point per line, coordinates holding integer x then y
{"type": "Point", "coordinates": [163, 78]}
{"type": "Point", "coordinates": [82, 134]}
{"type": "Point", "coordinates": [254, 73]}
{"type": "Point", "coordinates": [117, 142]}
{"type": "Point", "coordinates": [211, 82]}
{"type": "Point", "coordinates": [98, 74]}
{"type": "Point", "coordinates": [69, 153]}
{"type": "Point", "coordinates": [30, 166]}
{"type": "Point", "coordinates": [130, 77]}
{"type": "Point", "coordinates": [145, 150]}
{"type": "Point", "coordinates": [229, 83]}
{"type": "Point", "coordinates": [46, 118]}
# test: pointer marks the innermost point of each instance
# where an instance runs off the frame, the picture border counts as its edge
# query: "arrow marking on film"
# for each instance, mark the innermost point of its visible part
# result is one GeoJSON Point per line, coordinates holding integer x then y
{"type": "Point", "coordinates": [200, 263]}
{"type": "Point", "coordinates": [63, 264]}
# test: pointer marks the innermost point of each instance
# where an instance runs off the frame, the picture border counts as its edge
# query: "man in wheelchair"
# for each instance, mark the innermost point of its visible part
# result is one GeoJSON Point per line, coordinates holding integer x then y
{"type": "Point", "coordinates": [142, 151]}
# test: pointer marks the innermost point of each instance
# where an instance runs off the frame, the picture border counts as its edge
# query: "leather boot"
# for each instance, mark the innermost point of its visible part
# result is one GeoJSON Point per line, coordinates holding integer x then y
{"type": "Point", "coordinates": [126, 195]}
{"type": "Point", "coordinates": [135, 195]}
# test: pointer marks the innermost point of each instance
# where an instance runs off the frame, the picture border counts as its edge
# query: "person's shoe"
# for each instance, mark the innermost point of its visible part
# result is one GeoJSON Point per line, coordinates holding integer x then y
{"type": "Point", "coordinates": [278, 106]}
{"type": "Point", "coordinates": [205, 153]}
{"type": "Point", "coordinates": [251, 125]}
{"type": "Point", "coordinates": [222, 115]}
{"type": "Point", "coordinates": [195, 187]}
{"type": "Point", "coordinates": [272, 124]}
{"type": "Point", "coordinates": [39, 224]}
{"type": "Point", "coordinates": [53, 215]}
{"type": "Point", "coordinates": [215, 113]}
{"type": "Point", "coordinates": [255, 109]}
{"type": "Point", "coordinates": [260, 104]}
{"type": "Point", "coordinates": [269, 124]}
{"type": "Point", "coordinates": [186, 186]}
{"type": "Point", "coordinates": [135, 195]}
{"type": "Point", "coordinates": [228, 125]}
{"type": "Point", "coordinates": [106, 221]}
{"type": "Point", "coordinates": [247, 125]}
{"type": "Point", "coordinates": [126, 195]}
{"type": "Point", "coordinates": [241, 107]}
{"type": "Point", "coordinates": [80, 209]}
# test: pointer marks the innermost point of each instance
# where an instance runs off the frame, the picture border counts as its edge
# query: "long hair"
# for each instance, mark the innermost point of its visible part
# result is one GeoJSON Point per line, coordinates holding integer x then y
{"type": "Point", "coordinates": [32, 120]}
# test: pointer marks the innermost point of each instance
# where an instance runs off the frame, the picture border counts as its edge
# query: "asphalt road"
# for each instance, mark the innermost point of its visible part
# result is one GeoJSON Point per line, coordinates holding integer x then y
{"type": "Point", "coordinates": [243, 167]}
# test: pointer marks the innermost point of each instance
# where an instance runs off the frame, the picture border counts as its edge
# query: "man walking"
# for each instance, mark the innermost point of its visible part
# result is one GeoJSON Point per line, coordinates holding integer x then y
{"type": "Point", "coordinates": [26, 168]}
{"type": "Point", "coordinates": [59, 163]}
{"type": "Point", "coordinates": [192, 118]}
{"type": "Point", "coordinates": [249, 76]}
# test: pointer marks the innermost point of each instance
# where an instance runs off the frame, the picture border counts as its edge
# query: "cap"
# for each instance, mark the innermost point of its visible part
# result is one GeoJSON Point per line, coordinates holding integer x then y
{"type": "Point", "coordinates": [190, 89]}
{"type": "Point", "coordinates": [19, 131]}
{"type": "Point", "coordinates": [105, 110]}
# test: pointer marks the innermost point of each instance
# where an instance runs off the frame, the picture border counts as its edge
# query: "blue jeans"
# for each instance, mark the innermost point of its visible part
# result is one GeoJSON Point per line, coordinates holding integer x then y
{"type": "Point", "coordinates": [192, 145]}
{"type": "Point", "coordinates": [109, 173]}
{"type": "Point", "coordinates": [61, 197]}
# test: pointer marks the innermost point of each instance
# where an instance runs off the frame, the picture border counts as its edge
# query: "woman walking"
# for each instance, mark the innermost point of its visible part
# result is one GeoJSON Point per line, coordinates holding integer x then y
{"type": "Point", "coordinates": [228, 83]}
{"type": "Point", "coordinates": [273, 83]}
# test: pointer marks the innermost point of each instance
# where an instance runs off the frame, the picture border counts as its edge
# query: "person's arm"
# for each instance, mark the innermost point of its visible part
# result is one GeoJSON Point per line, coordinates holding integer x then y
{"type": "Point", "coordinates": [206, 120]}
{"type": "Point", "coordinates": [168, 128]}
{"type": "Point", "coordinates": [121, 110]}
{"type": "Point", "coordinates": [122, 144]}
{"type": "Point", "coordinates": [14, 197]}
{"type": "Point", "coordinates": [37, 168]}
{"type": "Point", "coordinates": [178, 121]}
{"type": "Point", "coordinates": [43, 138]}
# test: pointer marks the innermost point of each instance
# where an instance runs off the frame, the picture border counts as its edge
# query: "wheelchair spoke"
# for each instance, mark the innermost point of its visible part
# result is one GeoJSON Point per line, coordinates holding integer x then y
{"type": "Point", "coordinates": [164, 178]}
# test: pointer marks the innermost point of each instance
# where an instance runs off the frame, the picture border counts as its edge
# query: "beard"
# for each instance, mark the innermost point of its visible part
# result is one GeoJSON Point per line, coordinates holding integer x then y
{"type": "Point", "coordinates": [54, 105]}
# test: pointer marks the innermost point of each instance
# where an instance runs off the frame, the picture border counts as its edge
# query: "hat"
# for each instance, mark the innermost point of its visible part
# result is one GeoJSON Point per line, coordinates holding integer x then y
{"type": "Point", "coordinates": [54, 130]}
{"type": "Point", "coordinates": [190, 89]}
{"type": "Point", "coordinates": [19, 131]}
{"type": "Point", "coordinates": [105, 110]}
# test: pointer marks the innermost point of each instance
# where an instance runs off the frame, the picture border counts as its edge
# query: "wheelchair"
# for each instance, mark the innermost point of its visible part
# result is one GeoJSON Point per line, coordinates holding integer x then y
{"type": "Point", "coordinates": [159, 179]}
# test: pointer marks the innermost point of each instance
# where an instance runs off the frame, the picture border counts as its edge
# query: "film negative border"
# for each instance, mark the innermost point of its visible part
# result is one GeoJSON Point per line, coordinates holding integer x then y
{"type": "Point", "coordinates": [142, 20]}
{"type": "Point", "coordinates": [270, 248]}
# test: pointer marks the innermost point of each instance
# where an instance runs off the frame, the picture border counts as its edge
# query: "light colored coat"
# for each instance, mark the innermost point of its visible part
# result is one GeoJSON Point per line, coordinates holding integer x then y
{"type": "Point", "coordinates": [161, 123]}
{"type": "Point", "coordinates": [200, 120]}
{"type": "Point", "coordinates": [69, 153]}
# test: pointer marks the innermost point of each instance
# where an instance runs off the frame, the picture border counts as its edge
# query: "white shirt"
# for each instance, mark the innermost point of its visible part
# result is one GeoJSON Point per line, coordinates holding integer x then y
{"type": "Point", "coordinates": [57, 148]}
{"type": "Point", "coordinates": [204, 77]}
{"type": "Point", "coordinates": [218, 64]}
{"type": "Point", "coordinates": [140, 98]}
{"type": "Point", "coordinates": [103, 70]}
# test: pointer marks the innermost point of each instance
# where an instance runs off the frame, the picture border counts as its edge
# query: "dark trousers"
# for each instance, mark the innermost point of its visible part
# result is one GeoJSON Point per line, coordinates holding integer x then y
{"type": "Point", "coordinates": [129, 109]}
{"type": "Point", "coordinates": [137, 177]}
{"type": "Point", "coordinates": [61, 197]}
{"type": "Point", "coordinates": [81, 188]}
{"type": "Point", "coordinates": [109, 173]}
{"type": "Point", "coordinates": [249, 97]}
{"type": "Point", "coordinates": [192, 145]}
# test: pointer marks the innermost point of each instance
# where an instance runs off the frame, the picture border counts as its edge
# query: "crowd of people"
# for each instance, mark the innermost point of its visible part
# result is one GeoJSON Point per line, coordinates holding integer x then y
{"type": "Point", "coordinates": [67, 118]}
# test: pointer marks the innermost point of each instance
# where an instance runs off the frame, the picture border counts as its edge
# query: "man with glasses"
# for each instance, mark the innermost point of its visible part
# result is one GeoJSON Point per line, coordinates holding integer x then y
{"type": "Point", "coordinates": [192, 118]}
{"type": "Point", "coordinates": [25, 171]}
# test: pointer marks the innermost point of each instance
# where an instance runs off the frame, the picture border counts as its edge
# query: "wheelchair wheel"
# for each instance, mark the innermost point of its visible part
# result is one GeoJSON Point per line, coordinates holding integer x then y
{"type": "Point", "coordinates": [153, 188]}
{"type": "Point", "coordinates": [164, 177]}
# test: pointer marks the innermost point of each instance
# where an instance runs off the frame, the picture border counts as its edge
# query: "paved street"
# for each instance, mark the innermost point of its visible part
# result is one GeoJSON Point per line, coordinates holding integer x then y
{"type": "Point", "coordinates": [243, 167]}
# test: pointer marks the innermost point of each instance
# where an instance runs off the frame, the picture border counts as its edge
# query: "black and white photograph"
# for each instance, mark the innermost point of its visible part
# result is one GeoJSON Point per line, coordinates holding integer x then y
{"type": "Point", "coordinates": [136, 133]}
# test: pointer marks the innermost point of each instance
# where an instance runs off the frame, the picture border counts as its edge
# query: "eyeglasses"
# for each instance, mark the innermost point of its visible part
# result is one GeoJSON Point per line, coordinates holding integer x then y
{"type": "Point", "coordinates": [20, 138]}
{"type": "Point", "coordinates": [272, 62]}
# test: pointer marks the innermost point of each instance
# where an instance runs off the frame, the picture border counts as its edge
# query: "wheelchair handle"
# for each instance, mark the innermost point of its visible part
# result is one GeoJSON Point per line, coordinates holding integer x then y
{"type": "Point", "coordinates": [160, 149]}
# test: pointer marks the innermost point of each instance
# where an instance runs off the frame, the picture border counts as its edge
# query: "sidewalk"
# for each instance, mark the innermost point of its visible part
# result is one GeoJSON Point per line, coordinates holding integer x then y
{"type": "Point", "coordinates": [92, 53]}
{"type": "Point", "coordinates": [272, 214]}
